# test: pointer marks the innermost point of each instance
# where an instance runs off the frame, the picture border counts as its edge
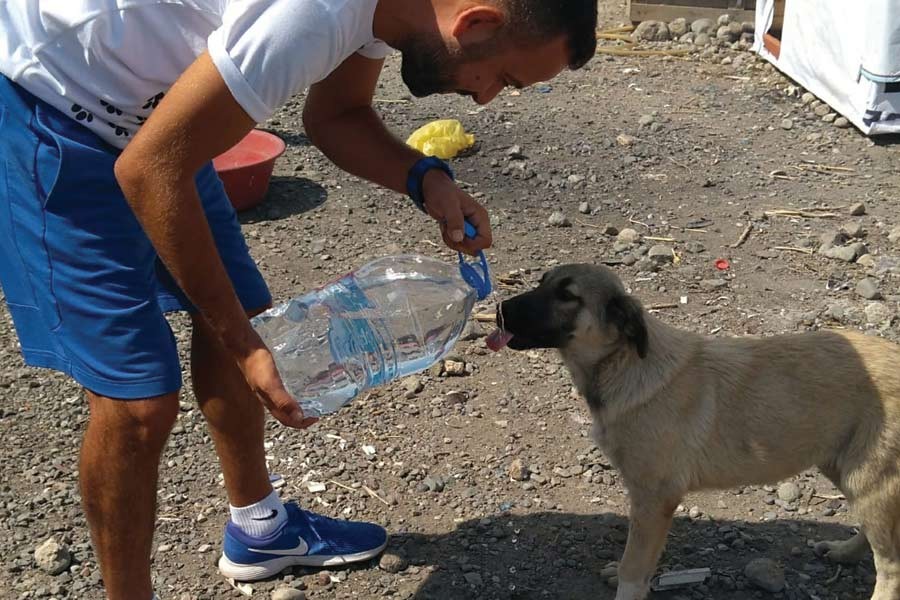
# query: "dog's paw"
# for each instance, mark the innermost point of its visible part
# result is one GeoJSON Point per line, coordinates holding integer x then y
{"type": "Point", "coordinates": [631, 591]}
{"type": "Point", "coordinates": [846, 552]}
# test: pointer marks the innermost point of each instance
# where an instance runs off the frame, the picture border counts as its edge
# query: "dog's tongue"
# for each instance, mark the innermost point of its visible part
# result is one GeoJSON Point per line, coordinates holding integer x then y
{"type": "Point", "coordinates": [498, 339]}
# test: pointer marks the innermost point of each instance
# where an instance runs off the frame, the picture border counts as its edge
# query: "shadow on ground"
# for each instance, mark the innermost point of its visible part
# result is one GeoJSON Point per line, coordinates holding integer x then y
{"type": "Point", "coordinates": [560, 556]}
{"type": "Point", "coordinates": [287, 196]}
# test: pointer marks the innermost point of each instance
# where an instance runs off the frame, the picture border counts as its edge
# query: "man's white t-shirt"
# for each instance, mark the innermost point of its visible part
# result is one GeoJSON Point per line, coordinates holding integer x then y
{"type": "Point", "coordinates": [108, 63]}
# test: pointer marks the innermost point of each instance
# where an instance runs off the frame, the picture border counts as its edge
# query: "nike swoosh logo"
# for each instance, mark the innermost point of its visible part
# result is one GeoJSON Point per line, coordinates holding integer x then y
{"type": "Point", "coordinates": [269, 518]}
{"type": "Point", "coordinates": [299, 550]}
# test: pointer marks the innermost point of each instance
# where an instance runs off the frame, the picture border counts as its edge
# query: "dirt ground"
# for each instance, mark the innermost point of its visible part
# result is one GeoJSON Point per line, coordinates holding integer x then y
{"type": "Point", "coordinates": [687, 151]}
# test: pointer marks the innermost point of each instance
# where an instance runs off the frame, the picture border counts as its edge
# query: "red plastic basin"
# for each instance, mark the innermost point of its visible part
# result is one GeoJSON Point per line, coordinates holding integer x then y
{"type": "Point", "coordinates": [246, 168]}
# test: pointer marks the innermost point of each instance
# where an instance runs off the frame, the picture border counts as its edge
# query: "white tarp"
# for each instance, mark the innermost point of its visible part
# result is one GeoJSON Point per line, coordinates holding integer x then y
{"type": "Point", "coordinates": [845, 52]}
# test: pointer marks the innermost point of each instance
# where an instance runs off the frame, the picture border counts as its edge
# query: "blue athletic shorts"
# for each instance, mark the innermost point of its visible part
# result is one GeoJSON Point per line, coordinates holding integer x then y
{"type": "Point", "coordinates": [85, 287]}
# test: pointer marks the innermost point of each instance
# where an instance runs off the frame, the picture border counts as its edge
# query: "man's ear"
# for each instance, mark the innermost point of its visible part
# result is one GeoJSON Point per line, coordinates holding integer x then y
{"type": "Point", "coordinates": [477, 24]}
{"type": "Point", "coordinates": [627, 315]}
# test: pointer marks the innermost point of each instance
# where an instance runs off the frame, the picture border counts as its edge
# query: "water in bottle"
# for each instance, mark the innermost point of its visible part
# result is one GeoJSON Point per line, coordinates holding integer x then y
{"type": "Point", "coordinates": [395, 316]}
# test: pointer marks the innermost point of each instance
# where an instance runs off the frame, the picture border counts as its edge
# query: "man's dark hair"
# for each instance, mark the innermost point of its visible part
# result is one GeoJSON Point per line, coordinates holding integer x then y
{"type": "Point", "coordinates": [542, 19]}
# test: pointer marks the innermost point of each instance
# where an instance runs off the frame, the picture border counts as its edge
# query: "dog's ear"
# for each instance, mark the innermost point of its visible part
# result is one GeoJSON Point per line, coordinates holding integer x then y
{"type": "Point", "coordinates": [627, 315]}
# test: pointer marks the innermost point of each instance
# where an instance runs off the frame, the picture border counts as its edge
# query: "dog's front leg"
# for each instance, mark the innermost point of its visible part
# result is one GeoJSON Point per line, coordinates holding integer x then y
{"type": "Point", "coordinates": [649, 524]}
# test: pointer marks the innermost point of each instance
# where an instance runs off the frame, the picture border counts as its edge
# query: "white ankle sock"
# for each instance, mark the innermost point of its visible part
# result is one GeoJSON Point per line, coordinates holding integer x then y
{"type": "Point", "coordinates": [262, 518]}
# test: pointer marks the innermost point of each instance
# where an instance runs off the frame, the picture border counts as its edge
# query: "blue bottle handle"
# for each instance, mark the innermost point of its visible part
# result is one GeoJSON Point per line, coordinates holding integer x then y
{"type": "Point", "coordinates": [480, 281]}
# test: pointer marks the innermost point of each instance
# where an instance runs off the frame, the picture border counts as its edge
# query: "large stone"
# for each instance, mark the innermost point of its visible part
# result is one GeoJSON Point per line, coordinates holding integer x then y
{"type": "Point", "coordinates": [765, 574]}
{"type": "Point", "coordinates": [702, 26]}
{"type": "Point", "coordinates": [652, 31]}
{"type": "Point", "coordinates": [392, 563]}
{"type": "Point", "coordinates": [868, 289]}
{"type": "Point", "coordinates": [52, 557]}
{"type": "Point", "coordinates": [725, 33]}
{"type": "Point", "coordinates": [678, 28]}
{"type": "Point", "coordinates": [789, 491]}
{"type": "Point", "coordinates": [518, 471]}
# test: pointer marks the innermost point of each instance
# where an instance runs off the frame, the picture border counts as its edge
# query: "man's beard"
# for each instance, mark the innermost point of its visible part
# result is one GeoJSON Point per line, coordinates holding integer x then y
{"type": "Point", "coordinates": [427, 67]}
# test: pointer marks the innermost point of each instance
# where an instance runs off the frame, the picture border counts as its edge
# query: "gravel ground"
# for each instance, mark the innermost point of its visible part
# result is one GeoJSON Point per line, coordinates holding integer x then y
{"type": "Point", "coordinates": [489, 483]}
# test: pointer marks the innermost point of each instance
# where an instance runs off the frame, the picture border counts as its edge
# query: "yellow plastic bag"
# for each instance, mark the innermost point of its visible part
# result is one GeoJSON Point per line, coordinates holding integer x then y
{"type": "Point", "coordinates": [445, 139]}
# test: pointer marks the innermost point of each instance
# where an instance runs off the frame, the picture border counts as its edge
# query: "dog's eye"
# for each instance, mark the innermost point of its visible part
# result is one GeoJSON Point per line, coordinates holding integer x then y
{"type": "Point", "coordinates": [566, 295]}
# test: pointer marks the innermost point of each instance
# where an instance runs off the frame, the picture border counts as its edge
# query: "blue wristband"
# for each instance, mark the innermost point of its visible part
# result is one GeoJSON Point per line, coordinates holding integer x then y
{"type": "Point", "coordinates": [417, 175]}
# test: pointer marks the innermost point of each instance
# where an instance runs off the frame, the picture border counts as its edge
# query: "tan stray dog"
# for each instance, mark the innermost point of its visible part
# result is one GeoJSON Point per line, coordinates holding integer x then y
{"type": "Point", "coordinates": [676, 412]}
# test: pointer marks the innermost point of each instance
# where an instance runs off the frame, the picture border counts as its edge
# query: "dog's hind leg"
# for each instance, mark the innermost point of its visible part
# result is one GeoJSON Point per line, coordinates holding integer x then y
{"type": "Point", "coordinates": [845, 552]}
{"type": "Point", "coordinates": [649, 524]}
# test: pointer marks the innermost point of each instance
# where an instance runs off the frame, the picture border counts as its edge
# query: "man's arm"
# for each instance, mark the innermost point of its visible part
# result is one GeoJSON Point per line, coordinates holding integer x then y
{"type": "Point", "coordinates": [197, 120]}
{"type": "Point", "coordinates": [340, 121]}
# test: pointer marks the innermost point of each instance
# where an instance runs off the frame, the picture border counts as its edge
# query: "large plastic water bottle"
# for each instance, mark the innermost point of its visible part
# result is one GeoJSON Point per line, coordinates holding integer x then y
{"type": "Point", "coordinates": [393, 317]}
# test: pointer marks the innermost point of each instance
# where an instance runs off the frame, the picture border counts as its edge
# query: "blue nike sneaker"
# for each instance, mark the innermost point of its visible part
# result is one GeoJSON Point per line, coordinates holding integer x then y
{"type": "Point", "coordinates": [306, 539]}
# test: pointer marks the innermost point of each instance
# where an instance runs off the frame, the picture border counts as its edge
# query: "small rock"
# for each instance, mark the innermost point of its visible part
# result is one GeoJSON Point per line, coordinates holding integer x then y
{"type": "Point", "coordinates": [392, 563]}
{"type": "Point", "coordinates": [515, 153]}
{"type": "Point", "coordinates": [434, 484]}
{"type": "Point", "coordinates": [613, 230]}
{"type": "Point", "coordinates": [807, 98]}
{"type": "Point", "coordinates": [584, 208]}
{"type": "Point", "coordinates": [695, 512]}
{"type": "Point", "coordinates": [678, 28]}
{"type": "Point", "coordinates": [866, 260]}
{"type": "Point", "coordinates": [831, 239]}
{"type": "Point", "coordinates": [472, 331]}
{"type": "Point", "coordinates": [765, 574]}
{"type": "Point", "coordinates": [687, 38]}
{"type": "Point", "coordinates": [724, 20]}
{"type": "Point", "coordinates": [829, 118]}
{"type": "Point", "coordinates": [518, 471]}
{"type": "Point", "coordinates": [894, 236]}
{"type": "Point", "coordinates": [877, 313]}
{"type": "Point", "coordinates": [847, 253]}
{"type": "Point", "coordinates": [727, 61]}
{"type": "Point", "coordinates": [789, 491]}
{"type": "Point", "coordinates": [323, 578]}
{"type": "Point", "coordinates": [558, 219]}
{"type": "Point", "coordinates": [288, 593]}
{"type": "Point", "coordinates": [652, 31]}
{"type": "Point", "coordinates": [454, 368]}
{"type": "Point", "coordinates": [702, 39]}
{"type": "Point", "coordinates": [858, 209]}
{"type": "Point", "coordinates": [646, 120]}
{"type": "Point", "coordinates": [868, 289]}
{"type": "Point", "coordinates": [787, 124]}
{"type": "Point", "coordinates": [695, 247]}
{"type": "Point", "coordinates": [822, 110]}
{"type": "Point", "coordinates": [413, 385]}
{"type": "Point", "coordinates": [748, 27]}
{"type": "Point", "coordinates": [52, 557]}
{"type": "Point", "coordinates": [661, 254]}
{"type": "Point", "coordinates": [628, 237]}
{"type": "Point", "coordinates": [842, 123]}
{"type": "Point", "coordinates": [854, 230]}
{"type": "Point", "coordinates": [712, 284]}
{"type": "Point", "coordinates": [702, 26]}
{"type": "Point", "coordinates": [473, 579]}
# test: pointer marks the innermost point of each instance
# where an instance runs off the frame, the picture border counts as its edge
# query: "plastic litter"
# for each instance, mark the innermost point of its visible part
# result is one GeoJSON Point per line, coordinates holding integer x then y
{"type": "Point", "coordinates": [444, 138]}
